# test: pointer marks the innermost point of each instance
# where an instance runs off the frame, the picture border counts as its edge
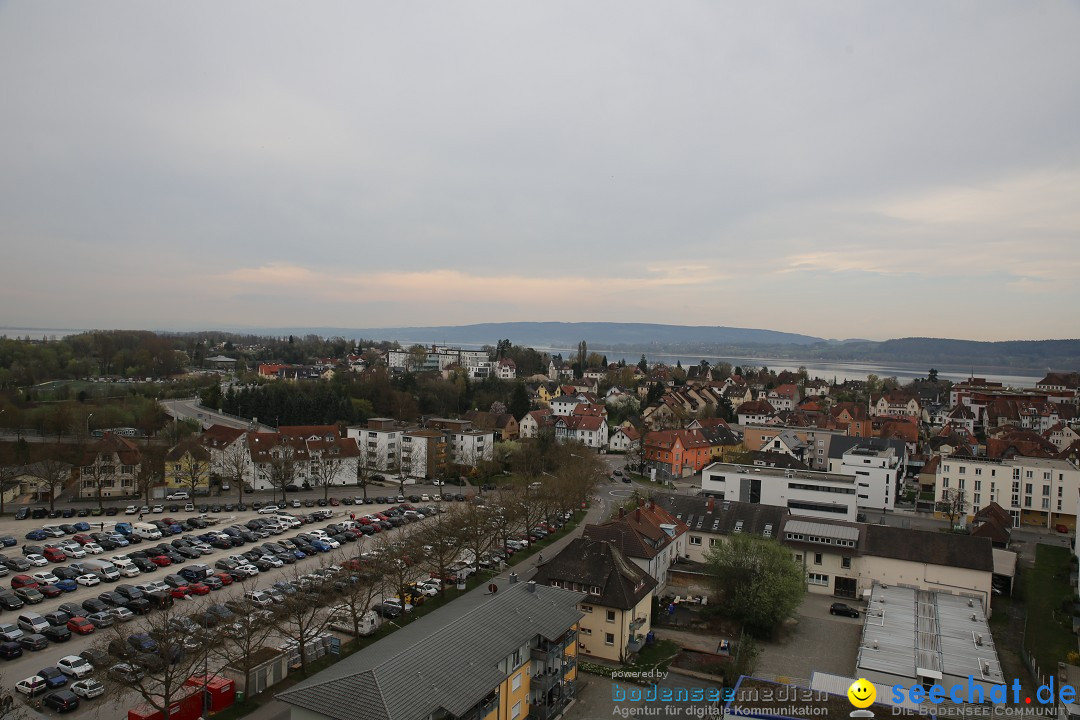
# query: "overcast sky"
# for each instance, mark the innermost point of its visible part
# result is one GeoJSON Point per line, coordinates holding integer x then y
{"type": "Point", "coordinates": [855, 169]}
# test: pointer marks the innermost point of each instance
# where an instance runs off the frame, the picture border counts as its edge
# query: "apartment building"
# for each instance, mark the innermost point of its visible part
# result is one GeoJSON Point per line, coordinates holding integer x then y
{"type": "Point", "coordinates": [804, 492]}
{"type": "Point", "coordinates": [878, 469]}
{"type": "Point", "coordinates": [1034, 491]}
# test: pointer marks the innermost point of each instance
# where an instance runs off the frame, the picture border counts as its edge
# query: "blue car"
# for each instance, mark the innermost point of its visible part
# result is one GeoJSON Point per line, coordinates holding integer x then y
{"type": "Point", "coordinates": [8, 541]}
{"type": "Point", "coordinates": [82, 526]}
{"type": "Point", "coordinates": [299, 554]}
{"type": "Point", "coordinates": [124, 528]}
{"type": "Point", "coordinates": [320, 546]}
{"type": "Point", "coordinates": [37, 535]}
{"type": "Point", "coordinates": [67, 585]}
{"type": "Point", "coordinates": [53, 677]}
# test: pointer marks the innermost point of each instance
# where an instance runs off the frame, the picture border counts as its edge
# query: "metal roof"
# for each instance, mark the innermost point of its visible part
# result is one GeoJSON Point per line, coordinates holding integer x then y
{"type": "Point", "coordinates": [915, 633]}
{"type": "Point", "coordinates": [839, 684]}
{"type": "Point", "coordinates": [447, 660]}
{"type": "Point", "coordinates": [806, 527]}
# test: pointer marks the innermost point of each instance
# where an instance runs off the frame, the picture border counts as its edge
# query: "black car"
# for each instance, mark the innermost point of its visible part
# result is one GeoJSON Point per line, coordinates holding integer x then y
{"type": "Point", "coordinates": [65, 573]}
{"type": "Point", "coordinates": [61, 701]}
{"type": "Point", "coordinates": [96, 657]}
{"type": "Point", "coordinates": [111, 511]}
{"type": "Point", "coordinates": [15, 564]}
{"type": "Point", "coordinates": [10, 650]}
{"type": "Point", "coordinates": [143, 564]}
{"type": "Point", "coordinates": [23, 513]}
{"type": "Point", "coordinates": [57, 617]}
{"type": "Point", "coordinates": [128, 591]}
{"type": "Point", "coordinates": [112, 599]}
{"type": "Point", "coordinates": [8, 601]}
{"type": "Point", "coordinates": [57, 633]}
{"type": "Point", "coordinates": [843, 609]}
{"type": "Point", "coordinates": [93, 605]}
{"type": "Point", "coordinates": [72, 609]}
{"type": "Point", "coordinates": [139, 606]}
{"type": "Point", "coordinates": [35, 641]}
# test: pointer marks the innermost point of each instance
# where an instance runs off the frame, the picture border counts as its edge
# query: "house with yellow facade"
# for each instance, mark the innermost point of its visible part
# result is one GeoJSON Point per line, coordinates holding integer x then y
{"type": "Point", "coordinates": [510, 654]}
{"type": "Point", "coordinates": [616, 596]}
{"type": "Point", "coordinates": [187, 467]}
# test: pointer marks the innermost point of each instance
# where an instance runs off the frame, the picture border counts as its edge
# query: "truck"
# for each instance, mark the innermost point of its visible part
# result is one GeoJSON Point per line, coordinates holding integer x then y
{"type": "Point", "coordinates": [146, 531]}
{"type": "Point", "coordinates": [342, 621]}
{"type": "Point", "coordinates": [105, 570]}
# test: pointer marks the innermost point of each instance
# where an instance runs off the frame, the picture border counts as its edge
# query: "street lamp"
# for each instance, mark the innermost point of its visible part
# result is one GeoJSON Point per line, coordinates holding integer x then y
{"type": "Point", "coordinates": [88, 424]}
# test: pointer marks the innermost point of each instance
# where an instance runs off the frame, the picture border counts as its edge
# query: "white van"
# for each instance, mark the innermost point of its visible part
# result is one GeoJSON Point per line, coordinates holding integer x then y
{"type": "Point", "coordinates": [287, 520]}
{"type": "Point", "coordinates": [146, 531]}
{"type": "Point", "coordinates": [342, 621]}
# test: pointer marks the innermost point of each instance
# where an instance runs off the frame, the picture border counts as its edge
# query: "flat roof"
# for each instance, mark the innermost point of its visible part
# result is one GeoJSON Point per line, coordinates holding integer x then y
{"type": "Point", "coordinates": [806, 527]}
{"type": "Point", "coordinates": [914, 633]}
{"type": "Point", "coordinates": [782, 473]}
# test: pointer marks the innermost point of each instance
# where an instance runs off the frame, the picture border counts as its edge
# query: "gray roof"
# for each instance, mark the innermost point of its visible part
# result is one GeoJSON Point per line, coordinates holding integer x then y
{"type": "Point", "coordinates": [927, 546]}
{"type": "Point", "coordinates": [807, 527]}
{"type": "Point", "coordinates": [595, 563]}
{"type": "Point", "coordinates": [723, 516]}
{"type": "Point", "coordinates": [840, 444]}
{"type": "Point", "coordinates": [446, 660]}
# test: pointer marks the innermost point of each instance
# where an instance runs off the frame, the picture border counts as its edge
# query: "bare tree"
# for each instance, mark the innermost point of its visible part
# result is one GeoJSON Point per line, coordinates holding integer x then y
{"type": "Point", "coordinates": [193, 467]}
{"type": "Point", "coordinates": [102, 473]}
{"type": "Point", "coordinates": [360, 583]}
{"type": "Point", "coordinates": [235, 462]}
{"type": "Point", "coordinates": [365, 470]}
{"type": "Point", "coordinates": [478, 536]}
{"type": "Point", "coordinates": [279, 470]}
{"type": "Point", "coordinates": [241, 637]}
{"type": "Point", "coordinates": [397, 556]}
{"type": "Point", "coordinates": [953, 505]}
{"type": "Point", "coordinates": [172, 649]}
{"type": "Point", "coordinates": [326, 467]}
{"type": "Point", "coordinates": [50, 474]}
{"type": "Point", "coordinates": [300, 617]}
{"type": "Point", "coordinates": [441, 539]}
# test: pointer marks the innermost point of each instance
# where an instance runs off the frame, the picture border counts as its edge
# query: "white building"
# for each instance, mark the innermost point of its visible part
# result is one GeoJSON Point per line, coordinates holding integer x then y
{"type": "Point", "coordinates": [1035, 491]}
{"type": "Point", "coordinates": [564, 404]}
{"type": "Point", "coordinates": [624, 439]}
{"type": "Point", "coordinates": [468, 447]}
{"type": "Point", "coordinates": [877, 470]}
{"type": "Point", "coordinates": [380, 443]}
{"type": "Point", "coordinates": [590, 430]}
{"type": "Point", "coordinates": [802, 492]}
{"type": "Point", "coordinates": [506, 369]}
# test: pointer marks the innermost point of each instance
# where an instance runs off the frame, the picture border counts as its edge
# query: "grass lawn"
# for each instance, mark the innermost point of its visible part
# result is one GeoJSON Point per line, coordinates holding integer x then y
{"type": "Point", "coordinates": [1049, 636]}
{"type": "Point", "coordinates": [657, 655]}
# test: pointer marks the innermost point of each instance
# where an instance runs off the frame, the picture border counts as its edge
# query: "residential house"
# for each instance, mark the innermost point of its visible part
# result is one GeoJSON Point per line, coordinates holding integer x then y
{"type": "Point", "coordinates": [510, 653]}
{"type": "Point", "coordinates": [803, 492]}
{"type": "Point", "coordinates": [897, 403]}
{"type": "Point", "coordinates": [625, 439]}
{"type": "Point", "coordinates": [783, 397]}
{"type": "Point", "coordinates": [661, 416]}
{"type": "Point", "coordinates": [564, 404]}
{"type": "Point", "coordinates": [110, 468]}
{"type": "Point", "coordinates": [757, 412]}
{"type": "Point", "coordinates": [187, 467]}
{"type": "Point", "coordinates": [649, 535]}
{"type": "Point", "coordinates": [228, 451]}
{"type": "Point", "coordinates": [533, 422]}
{"type": "Point", "coordinates": [1061, 435]}
{"type": "Point", "coordinates": [1034, 491]}
{"type": "Point", "coordinates": [854, 418]}
{"type": "Point", "coordinates": [616, 596]}
{"type": "Point", "coordinates": [961, 416]}
{"type": "Point", "coordinates": [590, 430]}
{"type": "Point", "coordinates": [503, 425]}
{"type": "Point", "coordinates": [737, 395]}
{"type": "Point", "coordinates": [816, 387]}
{"type": "Point", "coordinates": [676, 453]}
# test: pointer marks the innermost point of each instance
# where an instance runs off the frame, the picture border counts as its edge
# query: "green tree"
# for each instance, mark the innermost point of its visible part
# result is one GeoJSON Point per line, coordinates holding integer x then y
{"type": "Point", "coordinates": [643, 364]}
{"type": "Point", "coordinates": [932, 376]}
{"type": "Point", "coordinates": [519, 401]}
{"type": "Point", "coordinates": [759, 582]}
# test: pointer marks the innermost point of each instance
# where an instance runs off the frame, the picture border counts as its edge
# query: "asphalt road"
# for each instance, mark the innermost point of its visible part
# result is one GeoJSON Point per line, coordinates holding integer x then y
{"type": "Point", "coordinates": [190, 409]}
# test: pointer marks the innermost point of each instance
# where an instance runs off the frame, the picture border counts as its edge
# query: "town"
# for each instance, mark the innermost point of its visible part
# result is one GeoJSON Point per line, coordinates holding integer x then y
{"type": "Point", "coordinates": [702, 527]}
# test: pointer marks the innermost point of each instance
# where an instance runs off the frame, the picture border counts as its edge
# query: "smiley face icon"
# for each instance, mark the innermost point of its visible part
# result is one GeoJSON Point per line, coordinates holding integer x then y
{"type": "Point", "coordinates": [862, 693]}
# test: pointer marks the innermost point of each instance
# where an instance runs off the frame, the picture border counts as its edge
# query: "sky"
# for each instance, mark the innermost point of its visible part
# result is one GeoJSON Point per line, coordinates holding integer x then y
{"type": "Point", "coordinates": [840, 169]}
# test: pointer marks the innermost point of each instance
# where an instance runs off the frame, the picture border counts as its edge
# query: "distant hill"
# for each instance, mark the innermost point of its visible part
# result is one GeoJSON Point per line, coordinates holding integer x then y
{"type": "Point", "coordinates": [720, 341]}
{"type": "Point", "coordinates": [561, 334]}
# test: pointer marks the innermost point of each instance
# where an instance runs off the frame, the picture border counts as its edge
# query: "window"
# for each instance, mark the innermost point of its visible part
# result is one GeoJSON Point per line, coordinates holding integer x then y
{"type": "Point", "coordinates": [611, 616]}
{"type": "Point", "coordinates": [1027, 488]}
{"type": "Point", "coordinates": [609, 639]}
{"type": "Point", "coordinates": [978, 471]}
{"type": "Point", "coordinates": [978, 485]}
{"type": "Point", "coordinates": [845, 562]}
{"type": "Point", "coordinates": [817, 558]}
{"type": "Point", "coordinates": [944, 482]}
{"type": "Point", "coordinates": [1046, 490]}
{"type": "Point", "coordinates": [515, 684]}
{"type": "Point", "coordinates": [960, 484]}
{"type": "Point", "coordinates": [585, 631]}
{"type": "Point", "coordinates": [516, 712]}
{"type": "Point", "coordinates": [586, 608]}
{"type": "Point", "coordinates": [963, 469]}
{"type": "Point", "coordinates": [695, 539]}
{"type": "Point", "coordinates": [817, 579]}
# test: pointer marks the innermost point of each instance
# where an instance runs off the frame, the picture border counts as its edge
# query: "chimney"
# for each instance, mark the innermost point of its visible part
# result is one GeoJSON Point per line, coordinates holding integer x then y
{"type": "Point", "coordinates": [513, 578]}
{"type": "Point", "coordinates": [641, 502]}
{"type": "Point", "coordinates": [712, 504]}
{"type": "Point", "coordinates": [531, 587]}
{"type": "Point", "coordinates": [622, 512]}
{"type": "Point", "coordinates": [637, 514]}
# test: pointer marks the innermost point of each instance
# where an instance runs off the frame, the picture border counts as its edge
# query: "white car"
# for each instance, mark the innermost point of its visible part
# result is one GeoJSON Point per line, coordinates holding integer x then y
{"type": "Point", "coordinates": [424, 498]}
{"type": "Point", "coordinates": [158, 509]}
{"type": "Point", "coordinates": [296, 504]}
{"type": "Point", "coordinates": [37, 560]}
{"type": "Point", "coordinates": [334, 544]}
{"type": "Point", "coordinates": [122, 614]}
{"type": "Point", "coordinates": [249, 569]}
{"type": "Point", "coordinates": [272, 560]}
{"type": "Point", "coordinates": [131, 510]}
{"type": "Point", "coordinates": [190, 507]}
{"type": "Point", "coordinates": [88, 580]}
{"type": "Point", "coordinates": [74, 551]}
{"type": "Point", "coordinates": [31, 686]}
{"type": "Point", "coordinates": [178, 495]}
{"type": "Point", "coordinates": [74, 666]}
{"type": "Point", "coordinates": [268, 510]}
{"type": "Point", "coordinates": [45, 578]}
{"type": "Point", "coordinates": [259, 598]}
{"type": "Point", "coordinates": [88, 689]}
{"type": "Point", "coordinates": [436, 497]}
{"type": "Point", "coordinates": [93, 548]}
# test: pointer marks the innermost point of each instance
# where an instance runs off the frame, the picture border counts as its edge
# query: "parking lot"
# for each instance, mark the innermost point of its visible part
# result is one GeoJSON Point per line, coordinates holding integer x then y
{"type": "Point", "coordinates": [820, 641]}
{"type": "Point", "coordinates": [32, 661]}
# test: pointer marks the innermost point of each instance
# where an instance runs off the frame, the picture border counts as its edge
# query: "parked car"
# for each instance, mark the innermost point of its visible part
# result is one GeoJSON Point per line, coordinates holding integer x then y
{"type": "Point", "coordinates": [61, 701]}
{"type": "Point", "coordinates": [88, 689]}
{"type": "Point", "coordinates": [843, 609]}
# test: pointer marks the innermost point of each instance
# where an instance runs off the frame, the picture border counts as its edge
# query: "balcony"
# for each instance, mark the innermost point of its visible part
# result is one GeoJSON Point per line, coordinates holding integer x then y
{"type": "Point", "coordinates": [569, 638]}
{"type": "Point", "coordinates": [635, 644]}
{"type": "Point", "coordinates": [637, 623]}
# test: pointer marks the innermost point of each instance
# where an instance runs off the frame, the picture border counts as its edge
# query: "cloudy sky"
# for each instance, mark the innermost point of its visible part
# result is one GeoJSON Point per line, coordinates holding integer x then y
{"type": "Point", "coordinates": [842, 169]}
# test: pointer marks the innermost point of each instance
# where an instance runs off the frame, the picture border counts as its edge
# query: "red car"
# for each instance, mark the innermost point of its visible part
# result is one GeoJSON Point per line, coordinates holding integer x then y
{"type": "Point", "coordinates": [82, 538]}
{"type": "Point", "coordinates": [50, 591]}
{"type": "Point", "coordinates": [81, 625]}
{"type": "Point", "coordinates": [23, 581]}
{"type": "Point", "coordinates": [161, 561]}
{"type": "Point", "coordinates": [334, 502]}
{"type": "Point", "coordinates": [54, 555]}
{"type": "Point", "coordinates": [180, 592]}
{"type": "Point", "coordinates": [364, 520]}
{"type": "Point", "coordinates": [199, 589]}
{"type": "Point", "coordinates": [225, 578]}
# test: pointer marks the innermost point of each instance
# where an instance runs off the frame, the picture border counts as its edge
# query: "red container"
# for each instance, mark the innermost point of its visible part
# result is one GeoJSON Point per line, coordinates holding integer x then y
{"type": "Point", "coordinates": [222, 690]}
{"type": "Point", "coordinates": [186, 705]}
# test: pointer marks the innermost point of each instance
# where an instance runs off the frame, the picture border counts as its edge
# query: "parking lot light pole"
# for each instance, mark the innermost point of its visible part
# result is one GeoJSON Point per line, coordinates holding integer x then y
{"type": "Point", "coordinates": [88, 424]}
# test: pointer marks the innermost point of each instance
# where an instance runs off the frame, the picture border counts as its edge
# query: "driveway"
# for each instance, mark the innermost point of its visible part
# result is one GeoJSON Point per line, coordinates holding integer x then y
{"type": "Point", "coordinates": [819, 642]}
